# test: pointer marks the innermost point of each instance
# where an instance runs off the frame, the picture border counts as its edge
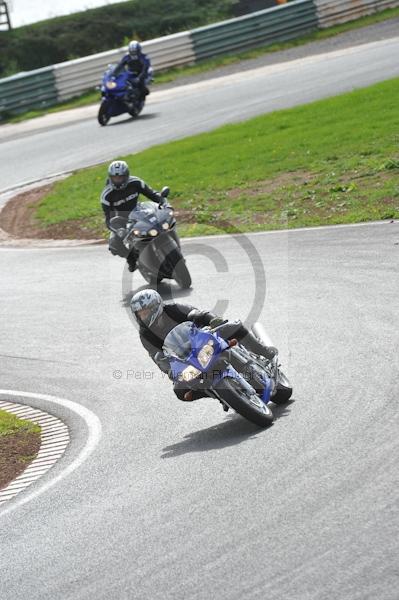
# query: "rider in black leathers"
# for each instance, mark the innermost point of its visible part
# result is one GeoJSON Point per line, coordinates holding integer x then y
{"type": "Point", "coordinates": [156, 319]}
{"type": "Point", "coordinates": [119, 197]}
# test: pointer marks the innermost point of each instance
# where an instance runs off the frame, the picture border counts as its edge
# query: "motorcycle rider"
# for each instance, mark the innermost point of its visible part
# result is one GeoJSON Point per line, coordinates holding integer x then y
{"type": "Point", "coordinates": [119, 197]}
{"type": "Point", "coordinates": [156, 319]}
{"type": "Point", "coordinates": [138, 65]}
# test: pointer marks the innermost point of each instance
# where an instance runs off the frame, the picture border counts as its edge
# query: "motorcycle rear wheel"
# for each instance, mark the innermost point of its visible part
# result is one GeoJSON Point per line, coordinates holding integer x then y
{"type": "Point", "coordinates": [251, 408]}
{"type": "Point", "coordinates": [134, 112]}
{"type": "Point", "coordinates": [283, 390]}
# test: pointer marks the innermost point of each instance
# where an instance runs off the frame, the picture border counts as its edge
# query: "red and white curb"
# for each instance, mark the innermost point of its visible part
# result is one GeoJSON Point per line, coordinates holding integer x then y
{"type": "Point", "coordinates": [54, 440]}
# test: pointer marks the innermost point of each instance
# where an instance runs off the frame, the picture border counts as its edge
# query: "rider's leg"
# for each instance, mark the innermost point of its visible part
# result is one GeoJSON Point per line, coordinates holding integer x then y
{"type": "Point", "coordinates": [242, 334]}
{"type": "Point", "coordinates": [116, 247]}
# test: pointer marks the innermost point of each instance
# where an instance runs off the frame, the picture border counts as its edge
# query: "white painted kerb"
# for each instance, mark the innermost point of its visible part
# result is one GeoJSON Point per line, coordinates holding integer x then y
{"type": "Point", "coordinates": [94, 434]}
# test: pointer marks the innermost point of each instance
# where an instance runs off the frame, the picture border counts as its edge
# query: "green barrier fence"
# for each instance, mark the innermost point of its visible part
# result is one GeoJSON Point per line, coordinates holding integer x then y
{"type": "Point", "coordinates": [26, 91]}
{"type": "Point", "coordinates": [257, 29]}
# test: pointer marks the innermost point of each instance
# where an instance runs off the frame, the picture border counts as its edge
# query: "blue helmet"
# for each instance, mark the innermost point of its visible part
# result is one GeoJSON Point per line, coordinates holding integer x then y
{"type": "Point", "coordinates": [146, 307]}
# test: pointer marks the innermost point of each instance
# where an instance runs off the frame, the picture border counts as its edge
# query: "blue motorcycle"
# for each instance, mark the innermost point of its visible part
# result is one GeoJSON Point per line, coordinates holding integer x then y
{"type": "Point", "coordinates": [201, 360]}
{"type": "Point", "coordinates": [120, 94]}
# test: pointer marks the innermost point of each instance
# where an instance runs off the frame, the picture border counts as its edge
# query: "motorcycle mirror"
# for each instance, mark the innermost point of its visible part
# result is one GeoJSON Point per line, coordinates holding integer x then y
{"type": "Point", "coordinates": [165, 191]}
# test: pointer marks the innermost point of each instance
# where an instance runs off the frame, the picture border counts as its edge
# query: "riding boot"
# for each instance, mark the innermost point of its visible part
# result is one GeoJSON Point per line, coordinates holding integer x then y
{"type": "Point", "coordinates": [254, 345]}
{"type": "Point", "coordinates": [132, 262]}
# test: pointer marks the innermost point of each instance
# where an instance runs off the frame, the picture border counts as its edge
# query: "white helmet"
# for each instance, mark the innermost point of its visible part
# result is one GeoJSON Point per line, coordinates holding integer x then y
{"type": "Point", "coordinates": [146, 307]}
{"type": "Point", "coordinates": [118, 174]}
{"type": "Point", "coordinates": [134, 48]}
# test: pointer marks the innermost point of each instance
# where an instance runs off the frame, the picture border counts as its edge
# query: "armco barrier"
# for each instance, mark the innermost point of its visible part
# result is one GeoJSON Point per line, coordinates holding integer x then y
{"type": "Point", "coordinates": [50, 85]}
{"type": "Point", "coordinates": [332, 12]}
{"type": "Point", "coordinates": [257, 29]}
{"type": "Point", "coordinates": [24, 91]}
{"type": "Point", "coordinates": [80, 75]}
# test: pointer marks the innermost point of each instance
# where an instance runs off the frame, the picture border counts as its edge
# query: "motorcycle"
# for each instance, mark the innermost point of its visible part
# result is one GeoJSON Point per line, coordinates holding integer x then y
{"type": "Point", "coordinates": [200, 359]}
{"type": "Point", "coordinates": [120, 94]}
{"type": "Point", "coordinates": [150, 231]}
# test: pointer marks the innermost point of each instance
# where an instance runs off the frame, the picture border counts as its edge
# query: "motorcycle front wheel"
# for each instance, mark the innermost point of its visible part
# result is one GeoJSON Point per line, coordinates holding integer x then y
{"type": "Point", "coordinates": [250, 407]}
{"type": "Point", "coordinates": [103, 117]}
{"type": "Point", "coordinates": [180, 272]}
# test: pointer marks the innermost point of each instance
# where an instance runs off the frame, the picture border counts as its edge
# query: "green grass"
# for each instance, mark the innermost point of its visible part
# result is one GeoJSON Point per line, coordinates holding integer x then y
{"type": "Point", "coordinates": [9, 424]}
{"type": "Point", "coordinates": [332, 161]}
{"type": "Point", "coordinates": [207, 65]}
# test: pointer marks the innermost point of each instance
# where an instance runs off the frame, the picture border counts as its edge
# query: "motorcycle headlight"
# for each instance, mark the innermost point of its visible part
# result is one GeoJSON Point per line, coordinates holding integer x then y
{"type": "Point", "coordinates": [111, 85]}
{"type": "Point", "coordinates": [165, 226]}
{"type": "Point", "coordinates": [153, 232]}
{"type": "Point", "coordinates": [205, 354]}
{"type": "Point", "coordinates": [171, 213]}
{"type": "Point", "coordinates": [189, 373]}
{"type": "Point", "coordinates": [136, 231]}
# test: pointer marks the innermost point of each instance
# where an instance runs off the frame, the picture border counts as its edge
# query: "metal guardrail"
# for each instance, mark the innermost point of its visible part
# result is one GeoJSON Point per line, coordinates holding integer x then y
{"type": "Point", "coordinates": [21, 92]}
{"type": "Point", "coordinates": [333, 12]}
{"type": "Point", "coordinates": [80, 75]}
{"type": "Point", "coordinates": [45, 87]}
{"type": "Point", "coordinates": [261, 28]}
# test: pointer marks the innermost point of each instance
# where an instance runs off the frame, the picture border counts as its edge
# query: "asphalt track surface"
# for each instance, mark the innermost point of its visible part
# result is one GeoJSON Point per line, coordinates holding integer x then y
{"type": "Point", "coordinates": [181, 501]}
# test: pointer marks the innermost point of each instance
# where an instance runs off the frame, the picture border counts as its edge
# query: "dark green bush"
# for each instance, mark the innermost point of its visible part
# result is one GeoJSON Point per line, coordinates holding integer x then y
{"type": "Point", "coordinates": [96, 30]}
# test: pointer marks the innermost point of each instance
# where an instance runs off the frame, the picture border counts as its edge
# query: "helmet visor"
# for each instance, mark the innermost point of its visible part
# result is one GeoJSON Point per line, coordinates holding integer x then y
{"type": "Point", "coordinates": [145, 314]}
{"type": "Point", "coordinates": [118, 180]}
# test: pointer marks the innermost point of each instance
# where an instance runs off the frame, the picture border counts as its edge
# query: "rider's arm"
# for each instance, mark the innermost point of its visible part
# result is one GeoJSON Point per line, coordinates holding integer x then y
{"type": "Point", "coordinates": [105, 205]}
{"type": "Point", "coordinates": [147, 191]}
{"type": "Point", "coordinates": [107, 215]}
{"type": "Point", "coordinates": [201, 317]}
{"type": "Point", "coordinates": [156, 354]}
{"type": "Point", "coordinates": [145, 65]}
{"type": "Point", "coordinates": [185, 312]}
{"type": "Point", "coordinates": [121, 65]}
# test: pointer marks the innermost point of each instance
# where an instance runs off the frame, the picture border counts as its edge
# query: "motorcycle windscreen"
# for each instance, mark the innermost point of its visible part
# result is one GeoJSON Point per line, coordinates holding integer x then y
{"type": "Point", "coordinates": [144, 211]}
{"type": "Point", "coordinates": [178, 341]}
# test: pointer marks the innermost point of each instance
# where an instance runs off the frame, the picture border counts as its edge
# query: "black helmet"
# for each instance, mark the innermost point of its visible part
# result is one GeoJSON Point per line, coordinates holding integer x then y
{"type": "Point", "coordinates": [118, 174]}
{"type": "Point", "coordinates": [146, 307]}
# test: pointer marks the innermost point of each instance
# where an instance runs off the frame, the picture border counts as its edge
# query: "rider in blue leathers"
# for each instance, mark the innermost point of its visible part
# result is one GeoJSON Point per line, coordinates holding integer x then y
{"type": "Point", "coordinates": [138, 64]}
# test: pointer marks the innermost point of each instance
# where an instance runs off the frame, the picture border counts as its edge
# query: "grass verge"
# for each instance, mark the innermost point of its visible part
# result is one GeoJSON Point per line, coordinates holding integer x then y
{"type": "Point", "coordinates": [9, 424]}
{"type": "Point", "coordinates": [19, 444]}
{"type": "Point", "coordinates": [207, 65]}
{"type": "Point", "coordinates": [329, 162]}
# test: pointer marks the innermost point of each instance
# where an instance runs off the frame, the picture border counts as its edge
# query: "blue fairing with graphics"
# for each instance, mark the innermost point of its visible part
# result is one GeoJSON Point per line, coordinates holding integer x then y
{"type": "Point", "coordinates": [120, 94]}
{"type": "Point", "coordinates": [197, 359]}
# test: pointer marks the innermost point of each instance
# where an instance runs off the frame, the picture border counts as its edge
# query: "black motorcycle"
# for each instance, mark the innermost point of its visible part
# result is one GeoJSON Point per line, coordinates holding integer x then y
{"type": "Point", "coordinates": [150, 231]}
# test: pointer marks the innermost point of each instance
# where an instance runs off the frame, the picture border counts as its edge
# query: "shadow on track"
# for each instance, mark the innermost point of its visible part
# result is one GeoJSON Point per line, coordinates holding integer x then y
{"type": "Point", "coordinates": [282, 410]}
{"type": "Point", "coordinates": [130, 119]}
{"type": "Point", "coordinates": [234, 430]}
